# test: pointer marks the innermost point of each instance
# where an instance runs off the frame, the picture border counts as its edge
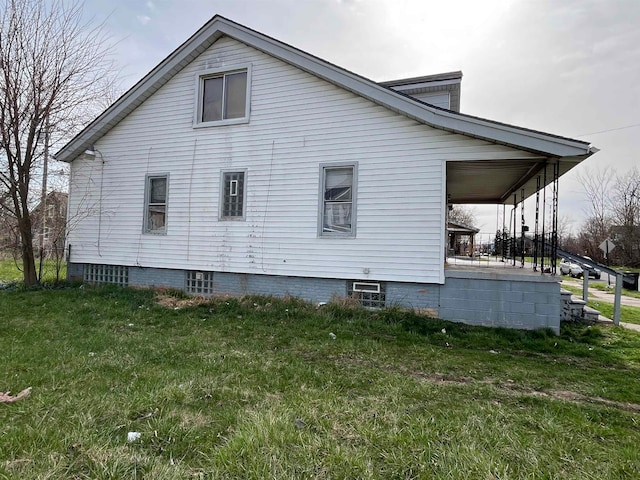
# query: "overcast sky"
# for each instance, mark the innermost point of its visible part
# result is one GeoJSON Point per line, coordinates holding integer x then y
{"type": "Point", "coordinates": [568, 67]}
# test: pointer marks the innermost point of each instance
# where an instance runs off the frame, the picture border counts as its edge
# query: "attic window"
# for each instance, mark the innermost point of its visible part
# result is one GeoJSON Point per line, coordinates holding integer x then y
{"type": "Point", "coordinates": [222, 97]}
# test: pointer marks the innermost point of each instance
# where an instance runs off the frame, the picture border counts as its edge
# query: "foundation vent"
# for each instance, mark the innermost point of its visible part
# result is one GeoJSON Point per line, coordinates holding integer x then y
{"type": "Point", "coordinates": [369, 294]}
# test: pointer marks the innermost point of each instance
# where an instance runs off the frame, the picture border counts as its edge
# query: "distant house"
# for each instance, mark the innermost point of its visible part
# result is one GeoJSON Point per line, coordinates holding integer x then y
{"type": "Point", "coordinates": [241, 164]}
{"type": "Point", "coordinates": [49, 223]}
{"type": "Point", "coordinates": [461, 239]}
{"type": "Point", "coordinates": [9, 237]}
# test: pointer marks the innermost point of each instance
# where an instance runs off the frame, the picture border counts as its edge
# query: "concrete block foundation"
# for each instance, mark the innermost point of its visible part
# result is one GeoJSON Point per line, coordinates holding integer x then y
{"type": "Point", "coordinates": [478, 297]}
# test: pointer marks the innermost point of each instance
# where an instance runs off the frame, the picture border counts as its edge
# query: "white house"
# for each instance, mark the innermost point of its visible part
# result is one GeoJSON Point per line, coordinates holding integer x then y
{"type": "Point", "coordinates": [241, 164]}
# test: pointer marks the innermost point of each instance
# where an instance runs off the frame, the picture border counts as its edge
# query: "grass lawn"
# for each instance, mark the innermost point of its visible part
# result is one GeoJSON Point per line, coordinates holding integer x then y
{"type": "Point", "coordinates": [628, 313]}
{"type": "Point", "coordinates": [12, 272]}
{"type": "Point", "coordinates": [264, 388]}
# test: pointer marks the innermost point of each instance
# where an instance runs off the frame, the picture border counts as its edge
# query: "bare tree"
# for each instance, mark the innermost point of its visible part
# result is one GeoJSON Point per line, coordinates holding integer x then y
{"type": "Point", "coordinates": [625, 208]}
{"type": "Point", "coordinates": [53, 68]}
{"type": "Point", "coordinates": [598, 186]}
{"type": "Point", "coordinates": [565, 236]}
{"type": "Point", "coordinates": [462, 214]}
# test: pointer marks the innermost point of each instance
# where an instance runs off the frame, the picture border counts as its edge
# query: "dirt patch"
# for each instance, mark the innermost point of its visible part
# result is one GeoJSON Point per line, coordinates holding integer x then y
{"type": "Point", "coordinates": [439, 377]}
{"type": "Point", "coordinates": [175, 303]}
{"type": "Point", "coordinates": [511, 388]}
{"type": "Point", "coordinates": [575, 397]}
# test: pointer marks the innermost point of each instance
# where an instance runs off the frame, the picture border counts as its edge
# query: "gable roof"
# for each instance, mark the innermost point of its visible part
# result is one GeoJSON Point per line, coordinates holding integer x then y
{"type": "Point", "coordinates": [522, 138]}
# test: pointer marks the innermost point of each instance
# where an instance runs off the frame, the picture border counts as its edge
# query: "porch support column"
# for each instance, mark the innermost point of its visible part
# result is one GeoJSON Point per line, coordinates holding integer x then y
{"type": "Point", "coordinates": [554, 217]}
{"type": "Point", "coordinates": [536, 238]}
{"type": "Point", "coordinates": [544, 217]}
{"type": "Point", "coordinates": [513, 237]}
{"type": "Point", "coordinates": [522, 222]}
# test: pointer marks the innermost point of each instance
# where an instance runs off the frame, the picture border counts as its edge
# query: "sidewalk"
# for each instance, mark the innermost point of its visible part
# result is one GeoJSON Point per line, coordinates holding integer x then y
{"type": "Point", "coordinates": [602, 295]}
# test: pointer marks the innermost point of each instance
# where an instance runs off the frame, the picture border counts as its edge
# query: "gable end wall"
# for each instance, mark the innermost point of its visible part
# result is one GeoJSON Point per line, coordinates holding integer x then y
{"type": "Point", "coordinates": [297, 122]}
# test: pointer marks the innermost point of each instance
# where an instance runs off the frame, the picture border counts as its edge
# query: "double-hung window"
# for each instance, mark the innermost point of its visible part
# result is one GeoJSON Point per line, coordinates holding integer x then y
{"type": "Point", "coordinates": [155, 213]}
{"type": "Point", "coordinates": [337, 215]}
{"type": "Point", "coordinates": [232, 199]}
{"type": "Point", "coordinates": [223, 97]}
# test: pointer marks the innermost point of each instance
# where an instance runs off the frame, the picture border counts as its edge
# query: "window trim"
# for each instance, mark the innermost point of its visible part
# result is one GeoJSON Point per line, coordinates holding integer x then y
{"type": "Point", "coordinates": [242, 218]}
{"type": "Point", "coordinates": [354, 190]}
{"type": "Point", "coordinates": [199, 92]}
{"type": "Point", "coordinates": [147, 197]}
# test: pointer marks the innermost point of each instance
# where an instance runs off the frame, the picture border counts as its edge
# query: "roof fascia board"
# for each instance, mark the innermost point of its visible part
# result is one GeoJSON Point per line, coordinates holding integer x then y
{"type": "Point", "coordinates": [412, 86]}
{"type": "Point", "coordinates": [457, 75]}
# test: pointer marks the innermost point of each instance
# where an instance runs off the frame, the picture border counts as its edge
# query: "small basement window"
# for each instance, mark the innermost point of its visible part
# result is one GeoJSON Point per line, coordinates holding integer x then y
{"type": "Point", "coordinates": [101, 274]}
{"type": "Point", "coordinates": [223, 96]}
{"type": "Point", "coordinates": [200, 283]}
{"type": "Point", "coordinates": [369, 294]}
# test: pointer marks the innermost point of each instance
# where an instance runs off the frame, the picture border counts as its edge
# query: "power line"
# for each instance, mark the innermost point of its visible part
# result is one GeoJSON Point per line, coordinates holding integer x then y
{"type": "Point", "coordinates": [609, 130]}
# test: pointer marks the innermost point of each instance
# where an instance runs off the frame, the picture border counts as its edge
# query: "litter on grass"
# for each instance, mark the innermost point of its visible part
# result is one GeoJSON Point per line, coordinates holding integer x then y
{"type": "Point", "coordinates": [6, 398]}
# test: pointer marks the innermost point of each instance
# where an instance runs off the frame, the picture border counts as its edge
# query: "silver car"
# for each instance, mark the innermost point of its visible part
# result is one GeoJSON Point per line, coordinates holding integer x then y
{"type": "Point", "coordinates": [572, 269]}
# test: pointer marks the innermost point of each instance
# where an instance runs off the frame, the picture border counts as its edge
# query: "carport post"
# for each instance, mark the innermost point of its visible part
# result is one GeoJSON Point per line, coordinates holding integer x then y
{"type": "Point", "coordinates": [585, 285]}
{"type": "Point", "coordinates": [616, 302]}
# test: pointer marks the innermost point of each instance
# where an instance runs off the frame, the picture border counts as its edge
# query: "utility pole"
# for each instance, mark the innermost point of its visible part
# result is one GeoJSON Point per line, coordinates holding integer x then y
{"type": "Point", "coordinates": [43, 199]}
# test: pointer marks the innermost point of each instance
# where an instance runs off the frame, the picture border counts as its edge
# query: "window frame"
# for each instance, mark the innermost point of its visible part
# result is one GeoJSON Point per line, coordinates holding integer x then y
{"type": "Point", "coordinates": [199, 92]}
{"type": "Point", "coordinates": [324, 167]}
{"type": "Point", "coordinates": [147, 204]}
{"type": "Point", "coordinates": [221, 209]}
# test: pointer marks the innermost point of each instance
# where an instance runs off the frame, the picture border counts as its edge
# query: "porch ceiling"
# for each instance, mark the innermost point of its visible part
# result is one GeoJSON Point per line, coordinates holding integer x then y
{"type": "Point", "coordinates": [496, 181]}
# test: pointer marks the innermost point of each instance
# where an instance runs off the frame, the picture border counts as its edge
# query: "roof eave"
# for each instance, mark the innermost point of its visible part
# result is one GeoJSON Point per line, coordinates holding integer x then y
{"type": "Point", "coordinates": [419, 111]}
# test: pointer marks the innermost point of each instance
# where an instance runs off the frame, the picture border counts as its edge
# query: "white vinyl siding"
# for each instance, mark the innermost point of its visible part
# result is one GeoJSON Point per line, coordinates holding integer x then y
{"type": "Point", "coordinates": [298, 122]}
{"type": "Point", "coordinates": [439, 99]}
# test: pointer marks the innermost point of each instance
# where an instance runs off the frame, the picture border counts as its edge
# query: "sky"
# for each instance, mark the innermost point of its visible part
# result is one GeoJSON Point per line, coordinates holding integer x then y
{"type": "Point", "coordinates": [569, 67]}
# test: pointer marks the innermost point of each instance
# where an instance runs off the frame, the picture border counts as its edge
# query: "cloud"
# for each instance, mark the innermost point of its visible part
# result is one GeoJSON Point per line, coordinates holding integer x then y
{"type": "Point", "coordinates": [144, 19]}
{"type": "Point", "coordinates": [151, 6]}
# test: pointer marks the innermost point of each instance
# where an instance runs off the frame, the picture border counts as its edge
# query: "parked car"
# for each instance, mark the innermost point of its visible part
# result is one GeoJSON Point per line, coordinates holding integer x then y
{"type": "Point", "coordinates": [593, 272]}
{"type": "Point", "coordinates": [571, 269]}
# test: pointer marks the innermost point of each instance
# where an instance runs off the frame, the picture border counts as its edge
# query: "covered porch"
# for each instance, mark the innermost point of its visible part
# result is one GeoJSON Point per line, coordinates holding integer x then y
{"type": "Point", "coordinates": [524, 240]}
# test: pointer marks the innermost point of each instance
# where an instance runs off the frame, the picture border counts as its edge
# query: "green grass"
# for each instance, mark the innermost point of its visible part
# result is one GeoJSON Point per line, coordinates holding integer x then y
{"type": "Point", "coordinates": [258, 388]}
{"type": "Point", "coordinates": [627, 269]}
{"type": "Point", "coordinates": [10, 271]}
{"type": "Point", "coordinates": [628, 314]}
